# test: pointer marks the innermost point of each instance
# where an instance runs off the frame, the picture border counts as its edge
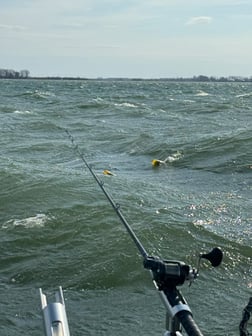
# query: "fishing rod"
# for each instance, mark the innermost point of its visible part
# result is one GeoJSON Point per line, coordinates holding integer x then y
{"type": "Point", "coordinates": [167, 274]}
{"type": "Point", "coordinates": [115, 206]}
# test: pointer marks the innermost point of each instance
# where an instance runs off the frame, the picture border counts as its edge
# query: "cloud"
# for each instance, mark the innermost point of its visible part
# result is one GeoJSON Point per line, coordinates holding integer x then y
{"type": "Point", "coordinates": [11, 27]}
{"type": "Point", "coordinates": [198, 20]}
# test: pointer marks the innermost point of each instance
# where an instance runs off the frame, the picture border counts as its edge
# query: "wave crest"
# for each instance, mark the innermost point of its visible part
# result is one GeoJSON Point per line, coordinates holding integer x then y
{"type": "Point", "coordinates": [36, 221]}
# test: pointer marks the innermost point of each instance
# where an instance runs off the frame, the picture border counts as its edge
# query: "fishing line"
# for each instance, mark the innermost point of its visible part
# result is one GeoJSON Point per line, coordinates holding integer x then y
{"type": "Point", "coordinates": [114, 205]}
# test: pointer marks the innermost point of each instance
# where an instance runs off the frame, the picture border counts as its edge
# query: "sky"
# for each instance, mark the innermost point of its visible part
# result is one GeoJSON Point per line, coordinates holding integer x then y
{"type": "Point", "coordinates": [127, 38]}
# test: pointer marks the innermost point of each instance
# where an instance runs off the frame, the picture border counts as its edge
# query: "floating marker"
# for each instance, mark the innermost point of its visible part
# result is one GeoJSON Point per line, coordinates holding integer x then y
{"type": "Point", "coordinates": [156, 163]}
{"type": "Point", "coordinates": [107, 172]}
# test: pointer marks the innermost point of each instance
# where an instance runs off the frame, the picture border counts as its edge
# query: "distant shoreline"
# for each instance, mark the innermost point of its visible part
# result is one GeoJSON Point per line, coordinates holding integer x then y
{"type": "Point", "coordinates": [25, 74]}
{"type": "Point", "coordinates": [230, 79]}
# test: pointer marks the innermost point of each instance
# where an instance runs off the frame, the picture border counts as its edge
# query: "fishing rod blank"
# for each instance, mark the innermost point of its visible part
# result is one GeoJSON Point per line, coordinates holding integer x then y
{"type": "Point", "coordinates": [115, 206]}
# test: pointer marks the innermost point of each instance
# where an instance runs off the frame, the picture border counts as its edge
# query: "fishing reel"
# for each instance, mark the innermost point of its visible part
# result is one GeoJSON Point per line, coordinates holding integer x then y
{"type": "Point", "coordinates": [170, 273]}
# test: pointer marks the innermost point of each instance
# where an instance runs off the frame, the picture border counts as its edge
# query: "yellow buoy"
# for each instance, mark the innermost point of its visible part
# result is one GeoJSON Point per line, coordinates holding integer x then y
{"type": "Point", "coordinates": [156, 163]}
{"type": "Point", "coordinates": [107, 172]}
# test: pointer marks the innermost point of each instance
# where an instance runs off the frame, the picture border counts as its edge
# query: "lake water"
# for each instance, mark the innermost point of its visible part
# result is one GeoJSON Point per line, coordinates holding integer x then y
{"type": "Point", "coordinates": [57, 228]}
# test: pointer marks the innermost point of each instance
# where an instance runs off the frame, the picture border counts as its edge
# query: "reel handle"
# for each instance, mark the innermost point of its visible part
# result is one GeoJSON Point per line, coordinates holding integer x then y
{"type": "Point", "coordinates": [215, 256]}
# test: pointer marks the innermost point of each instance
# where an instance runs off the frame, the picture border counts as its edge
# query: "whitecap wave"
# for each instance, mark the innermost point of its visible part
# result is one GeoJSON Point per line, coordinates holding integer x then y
{"type": "Point", "coordinates": [201, 93]}
{"type": "Point", "coordinates": [244, 95]}
{"type": "Point", "coordinates": [125, 104]}
{"type": "Point", "coordinates": [23, 112]}
{"type": "Point", "coordinates": [36, 221]}
{"type": "Point", "coordinates": [174, 157]}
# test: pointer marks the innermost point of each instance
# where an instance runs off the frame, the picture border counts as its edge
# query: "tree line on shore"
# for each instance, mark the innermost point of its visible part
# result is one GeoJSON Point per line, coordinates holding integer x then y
{"type": "Point", "coordinates": [10, 73]}
{"type": "Point", "coordinates": [25, 74]}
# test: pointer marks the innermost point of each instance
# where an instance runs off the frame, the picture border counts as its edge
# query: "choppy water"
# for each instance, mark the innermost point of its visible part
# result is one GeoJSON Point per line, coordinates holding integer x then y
{"type": "Point", "coordinates": [57, 228]}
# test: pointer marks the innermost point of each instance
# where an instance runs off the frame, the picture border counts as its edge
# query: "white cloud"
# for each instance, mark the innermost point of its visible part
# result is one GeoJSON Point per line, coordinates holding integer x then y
{"type": "Point", "coordinates": [11, 27]}
{"type": "Point", "coordinates": [199, 20]}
